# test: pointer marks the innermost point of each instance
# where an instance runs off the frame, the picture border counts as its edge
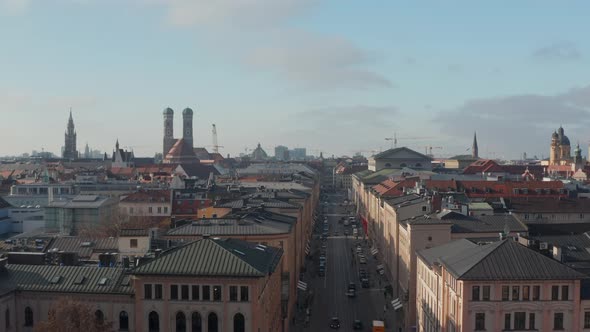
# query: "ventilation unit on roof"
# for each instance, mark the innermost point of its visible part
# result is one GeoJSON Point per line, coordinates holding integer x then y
{"type": "Point", "coordinates": [543, 246]}
{"type": "Point", "coordinates": [572, 248]}
{"type": "Point", "coordinates": [103, 281]}
{"type": "Point", "coordinates": [239, 252]}
{"type": "Point", "coordinates": [85, 244]}
{"type": "Point", "coordinates": [55, 280]}
{"type": "Point", "coordinates": [79, 280]}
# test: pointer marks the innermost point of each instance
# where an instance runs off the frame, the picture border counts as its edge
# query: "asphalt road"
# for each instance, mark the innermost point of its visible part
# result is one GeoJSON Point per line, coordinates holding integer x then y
{"type": "Point", "coordinates": [329, 292]}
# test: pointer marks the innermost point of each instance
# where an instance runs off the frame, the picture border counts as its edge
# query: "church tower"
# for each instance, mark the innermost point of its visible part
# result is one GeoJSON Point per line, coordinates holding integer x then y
{"type": "Point", "coordinates": [474, 148]}
{"type": "Point", "coordinates": [168, 131]}
{"type": "Point", "coordinates": [187, 127]}
{"type": "Point", "coordinates": [70, 151]}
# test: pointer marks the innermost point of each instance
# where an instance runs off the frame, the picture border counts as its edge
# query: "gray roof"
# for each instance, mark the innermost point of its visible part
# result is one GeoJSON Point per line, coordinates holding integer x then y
{"type": "Point", "coordinates": [390, 154]}
{"type": "Point", "coordinates": [39, 277]}
{"type": "Point", "coordinates": [574, 248]}
{"type": "Point", "coordinates": [270, 203]}
{"type": "Point", "coordinates": [215, 257]}
{"type": "Point", "coordinates": [506, 260]}
{"type": "Point", "coordinates": [84, 202]}
{"type": "Point", "coordinates": [74, 244]}
{"type": "Point", "coordinates": [433, 255]}
{"type": "Point", "coordinates": [231, 226]}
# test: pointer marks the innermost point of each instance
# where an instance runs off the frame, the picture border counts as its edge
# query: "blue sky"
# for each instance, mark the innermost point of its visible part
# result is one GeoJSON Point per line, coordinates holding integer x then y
{"type": "Point", "coordinates": [337, 76]}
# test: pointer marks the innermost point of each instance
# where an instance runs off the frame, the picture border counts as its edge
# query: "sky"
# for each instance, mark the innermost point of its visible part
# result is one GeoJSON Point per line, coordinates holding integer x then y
{"type": "Point", "coordinates": [337, 76]}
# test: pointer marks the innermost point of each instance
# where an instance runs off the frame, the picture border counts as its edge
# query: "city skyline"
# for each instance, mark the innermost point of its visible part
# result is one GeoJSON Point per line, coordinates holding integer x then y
{"type": "Point", "coordinates": [336, 78]}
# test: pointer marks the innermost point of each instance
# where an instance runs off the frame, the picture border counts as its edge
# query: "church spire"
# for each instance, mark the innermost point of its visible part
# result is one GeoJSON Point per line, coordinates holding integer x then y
{"type": "Point", "coordinates": [474, 149]}
{"type": "Point", "coordinates": [117, 145]}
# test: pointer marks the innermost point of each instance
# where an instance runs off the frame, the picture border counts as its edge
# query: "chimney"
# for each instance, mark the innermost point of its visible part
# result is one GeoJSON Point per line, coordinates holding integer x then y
{"type": "Point", "coordinates": [557, 253]}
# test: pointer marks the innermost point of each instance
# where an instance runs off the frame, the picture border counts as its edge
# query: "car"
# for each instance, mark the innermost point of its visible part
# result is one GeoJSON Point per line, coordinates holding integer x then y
{"type": "Point", "coordinates": [363, 260]}
{"type": "Point", "coordinates": [334, 323]}
{"type": "Point", "coordinates": [321, 272]}
{"type": "Point", "coordinates": [324, 246]}
{"type": "Point", "coordinates": [365, 283]}
{"type": "Point", "coordinates": [335, 233]}
{"type": "Point", "coordinates": [322, 257]}
{"type": "Point", "coordinates": [359, 250]}
{"type": "Point", "coordinates": [351, 292]}
{"type": "Point", "coordinates": [357, 325]}
{"type": "Point", "coordinates": [352, 285]}
{"type": "Point", "coordinates": [346, 232]}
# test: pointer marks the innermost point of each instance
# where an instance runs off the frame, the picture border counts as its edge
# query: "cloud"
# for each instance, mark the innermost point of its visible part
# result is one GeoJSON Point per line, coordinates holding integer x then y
{"type": "Point", "coordinates": [559, 51]}
{"type": "Point", "coordinates": [232, 13]}
{"type": "Point", "coordinates": [13, 7]}
{"type": "Point", "coordinates": [317, 61]}
{"type": "Point", "coordinates": [519, 123]}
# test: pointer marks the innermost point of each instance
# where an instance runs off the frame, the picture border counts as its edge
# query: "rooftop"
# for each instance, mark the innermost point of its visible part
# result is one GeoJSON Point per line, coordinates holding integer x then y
{"type": "Point", "coordinates": [215, 257]}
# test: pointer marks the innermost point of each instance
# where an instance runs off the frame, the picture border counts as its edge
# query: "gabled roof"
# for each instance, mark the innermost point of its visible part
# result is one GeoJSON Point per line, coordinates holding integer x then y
{"type": "Point", "coordinates": [450, 249]}
{"type": "Point", "coordinates": [215, 258]}
{"type": "Point", "coordinates": [148, 196]}
{"type": "Point", "coordinates": [507, 260]}
{"type": "Point", "coordinates": [394, 154]}
{"type": "Point", "coordinates": [38, 278]}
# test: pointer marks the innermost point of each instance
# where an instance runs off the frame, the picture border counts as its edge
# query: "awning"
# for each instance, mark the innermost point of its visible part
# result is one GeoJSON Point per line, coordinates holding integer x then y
{"type": "Point", "coordinates": [307, 249]}
{"type": "Point", "coordinates": [380, 267]}
{"type": "Point", "coordinates": [374, 252]}
{"type": "Point", "coordinates": [396, 304]}
{"type": "Point", "coordinates": [302, 285]}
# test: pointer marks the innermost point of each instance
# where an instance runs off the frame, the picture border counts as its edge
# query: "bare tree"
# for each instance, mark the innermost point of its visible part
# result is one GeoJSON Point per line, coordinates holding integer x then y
{"type": "Point", "coordinates": [69, 315]}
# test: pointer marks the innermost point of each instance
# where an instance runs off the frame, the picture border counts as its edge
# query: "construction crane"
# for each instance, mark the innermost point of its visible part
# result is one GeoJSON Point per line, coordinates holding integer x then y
{"type": "Point", "coordinates": [428, 150]}
{"type": "Point", "coordinates": [395, 138]}
{"type": "Point", "coordinates": [215, 145]}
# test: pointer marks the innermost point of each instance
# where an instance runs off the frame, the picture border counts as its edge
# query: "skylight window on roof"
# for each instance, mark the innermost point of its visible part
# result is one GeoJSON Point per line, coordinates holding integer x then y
{"type": "Point", "coordinates": [239, 252]}
{"type": "Point", "coordinates": [55, 280]}
{"type": "Point", "coordinates": [125, 281]}
{"type": "Point", "coordinates": [85, 244]}
{"type": "Point", "coordinates": [103, 281]}
{"type": "Point", "coordinates": [79, 280]}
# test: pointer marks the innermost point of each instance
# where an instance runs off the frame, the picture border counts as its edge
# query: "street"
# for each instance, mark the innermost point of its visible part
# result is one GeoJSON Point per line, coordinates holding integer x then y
{"type": "Point", "coordinates": [342, 264]}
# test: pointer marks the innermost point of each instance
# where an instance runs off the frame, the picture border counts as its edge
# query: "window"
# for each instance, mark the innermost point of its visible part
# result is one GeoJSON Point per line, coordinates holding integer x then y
{"type": "Point", "coordinates": [507, 321]}
{"type": "Point", "coordinates": [212, 322]}
{"type": "Point", "coordinates": [525, 293]}
{"type": "Point", "coordinates": [555, 293]}
{"type": "Point", "coordinates": [505, 293]}
{"type": "Point", "coordinates": [174, 292]}
{"type": "Point", "coordinates": [244, 294]}
{"type": "Point", "coordinates": [196, 323]}
{"type": "Point", "coordinates": [515, 293]}
{"type": "Point", "coordinates": [423, 208]}
{"type": "Point", "coordinates": [7, 319]}
{"type": "Point", "coordinates": [475, 293]}
{"type": "Point", "coordinates": [217, 293]}
{"type": "Point", "coordinates": [28, 316]}
{"type": "Point", "coordinates": [486, 293]}
{"type": "Point", "coordinates": [206, 293]}
{"type": "Point", "coordinates": [133, 243]}
{"type": "Point", "coordinates": [151, 209]}
{"type": "Point", "coordinates": [123, 321]}
{"type": "Point", "coordinates": [180, 322]}
{"type": "Point", "coordinates": [565, 293]}
{"type": "Point", "coordinates": [159, 209]}
{"type": "Point", "coordinates": [531, 321]}
{"type": "Point", "coordinates": [130, 210]}
{"type": "Point", "coordinates": [153, 322]}
{"type": "Point", "coordinates": [519, 320]}
{"type": "Point", "coordinates": [480, 321]}
{"type": "Point", "coordinates": [99, 317]}
{"type": "Point", "coordinates": [536, 293]}
{"type": "Point", "coordinates": [184, 292]}
{"type": "Point", "coordinates": [165, 209]}
{"type": "Point", "coordinates": [147, 291]}
{"type": "Point", "coordinates": [158, 292]}
{"type": "Point", "coordinates": [233, 293]}
{"type": "Point", "coordinates": [558, 321]}
{"type": "Point", "coordinates": [586, 319]}
{"type": "Point", "coordinates": [195, 291]}
{"type": "Point", "coordinates": [239, 323]}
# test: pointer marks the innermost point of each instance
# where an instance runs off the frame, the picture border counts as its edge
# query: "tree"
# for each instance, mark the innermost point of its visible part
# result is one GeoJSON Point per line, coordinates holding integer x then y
{"type": "Point", "coordinates": [69, 315]}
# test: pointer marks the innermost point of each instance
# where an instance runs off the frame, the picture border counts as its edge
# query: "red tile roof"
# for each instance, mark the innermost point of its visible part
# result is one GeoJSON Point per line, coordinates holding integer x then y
{"type": "Point", "coordinates": [490, 189]}
{"type": "Point", "coordinates": [394, 188]}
